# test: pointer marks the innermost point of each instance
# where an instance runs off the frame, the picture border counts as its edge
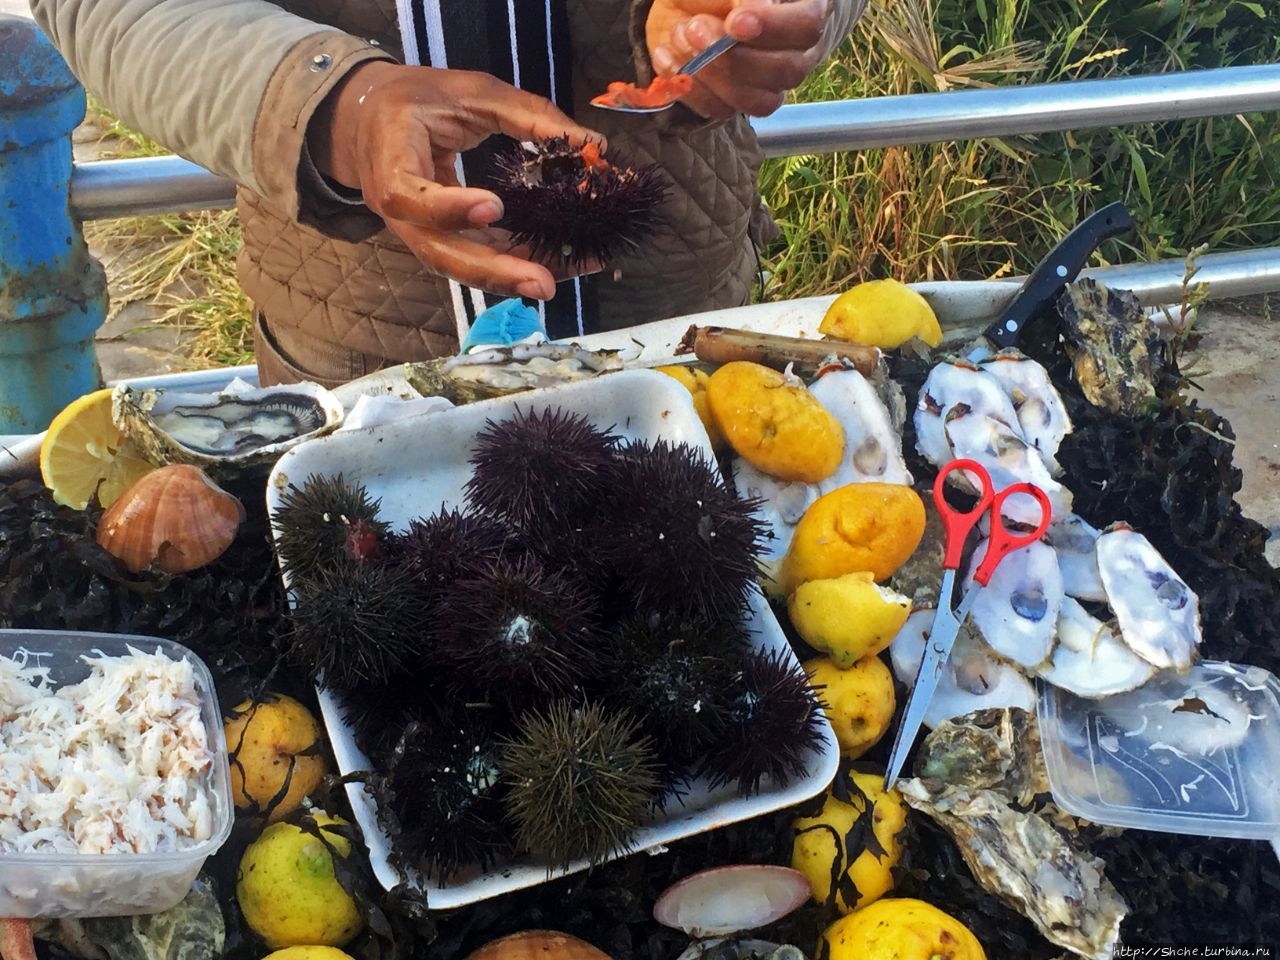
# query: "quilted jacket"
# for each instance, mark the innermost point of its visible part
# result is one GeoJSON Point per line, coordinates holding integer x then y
{"type": "Point", "coordinates": [232, 85]}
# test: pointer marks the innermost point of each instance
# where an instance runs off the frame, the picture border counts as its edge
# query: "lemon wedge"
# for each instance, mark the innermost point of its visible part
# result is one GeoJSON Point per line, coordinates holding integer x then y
{"type": "Point", "coordinates": [83, 454]}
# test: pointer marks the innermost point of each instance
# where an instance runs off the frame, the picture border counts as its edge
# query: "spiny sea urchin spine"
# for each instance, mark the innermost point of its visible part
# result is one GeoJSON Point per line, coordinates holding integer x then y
{"type": "Point", "coordinates": [678, 536]}
{"type": "Point", "coordinates": [572, 206]}
{"type": "Point", "coordinates": [775, 722]}
{"type": "Point", "coordinates": [581, 779]}
{"type": "Point", "coordinates": [323, 522]}
{"type": "Point", "coordinates": [537, 469]}
{"type": "Point", "coordinates": [354, 623]}
{"type": "Point", "coordinates": [517, 633]}
{"type": "Point", "coordinates": [449, 546]}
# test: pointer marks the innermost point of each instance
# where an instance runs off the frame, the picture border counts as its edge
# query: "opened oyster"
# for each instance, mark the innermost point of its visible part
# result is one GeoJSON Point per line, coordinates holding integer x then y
{"type": "Point", "coordinates": [497, 371]}
{"type": "Point", "coordinates": [238, 427]}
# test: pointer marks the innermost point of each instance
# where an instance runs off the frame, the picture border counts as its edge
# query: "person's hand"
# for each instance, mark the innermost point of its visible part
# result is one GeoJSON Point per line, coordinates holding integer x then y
{"type": "Point", "coordinates": [393, 133]}
{"type": "Point", "coordinates": [779, 42]}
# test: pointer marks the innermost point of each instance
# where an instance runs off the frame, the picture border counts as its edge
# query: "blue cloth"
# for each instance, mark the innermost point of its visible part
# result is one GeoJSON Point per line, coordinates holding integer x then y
{"type": "Point", "coordinates": [505, 323]}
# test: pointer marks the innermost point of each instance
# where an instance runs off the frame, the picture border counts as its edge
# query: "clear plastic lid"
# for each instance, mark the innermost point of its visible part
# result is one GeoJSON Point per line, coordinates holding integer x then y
{"type": "Point", "coordinates": [1195, 753]}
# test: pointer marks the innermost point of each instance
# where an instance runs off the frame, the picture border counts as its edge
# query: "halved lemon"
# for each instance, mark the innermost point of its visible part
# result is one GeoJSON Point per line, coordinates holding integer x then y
{"type": "Point", "coordinates": [84, 454]}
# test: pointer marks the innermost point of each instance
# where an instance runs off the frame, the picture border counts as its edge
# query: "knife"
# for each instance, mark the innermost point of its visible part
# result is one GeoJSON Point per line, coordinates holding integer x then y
{"type": "Point", "coordinates": [1059, 267]}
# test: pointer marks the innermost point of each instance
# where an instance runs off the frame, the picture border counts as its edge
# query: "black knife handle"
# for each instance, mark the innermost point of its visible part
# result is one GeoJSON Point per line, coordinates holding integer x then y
{"type": "Point", "coordinates": [1059, 267]}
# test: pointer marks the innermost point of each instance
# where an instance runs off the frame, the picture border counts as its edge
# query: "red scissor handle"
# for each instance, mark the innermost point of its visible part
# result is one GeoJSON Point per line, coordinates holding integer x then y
{"type": "Point", "coordinates": [958, 523]}
{"type": "Point", "coordinates": [1001, 541]}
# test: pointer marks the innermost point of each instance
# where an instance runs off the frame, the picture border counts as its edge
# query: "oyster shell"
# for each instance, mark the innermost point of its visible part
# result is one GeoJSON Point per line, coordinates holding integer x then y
{"type": "Point", "coordinates": [498, 371]}
{"type": "Point", "coordinates": [987, 750]}
{"type": "Point", "coordinates": [1041, 413]}
{"type": "Point", "coordinates": [1158, 614]}
{"type": "Point", "coordinates": [1113, 346]}
{"type": "Point", "coordinates": [973, 678]}
{"type": "Point", "coordinates": [1021, 858]}
{"type": "Point", "coordinates": [1075, 542]}
{"type": "Point", "coordinates": [872, 447]}
{"type": "Point", "coordinates": [781, 503]}
{"type": "Point", "coordinates": [224, 432]}
{"type": "Point", "coordinates": [952, 384]}
{"type": "Point", "coordinates": [1017, 611]}
{"type": "Point", "coordinates": [1090, 659]}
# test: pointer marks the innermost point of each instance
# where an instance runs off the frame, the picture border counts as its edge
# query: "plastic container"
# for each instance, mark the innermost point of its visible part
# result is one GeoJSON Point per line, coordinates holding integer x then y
{"type": "Point", "coordinates": [414, 466]}
{"type": "Point", "coordinates": [1195, 753]}
{"type": "Point", "coordinates": [113, 884]}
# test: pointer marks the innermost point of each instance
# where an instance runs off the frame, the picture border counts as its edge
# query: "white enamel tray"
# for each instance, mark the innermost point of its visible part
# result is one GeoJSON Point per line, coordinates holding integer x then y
{"type": "Point", "coordinates": [416, 465]}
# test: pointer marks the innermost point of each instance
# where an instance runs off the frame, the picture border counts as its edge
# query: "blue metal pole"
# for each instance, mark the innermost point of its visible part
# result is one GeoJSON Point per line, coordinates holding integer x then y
{"type": "Point", "coordinates": [53, 295]}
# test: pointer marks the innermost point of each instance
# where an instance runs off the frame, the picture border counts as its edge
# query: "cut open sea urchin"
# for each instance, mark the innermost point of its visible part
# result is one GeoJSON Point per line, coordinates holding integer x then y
{"type": "Point", "coordinates": [571, 206]}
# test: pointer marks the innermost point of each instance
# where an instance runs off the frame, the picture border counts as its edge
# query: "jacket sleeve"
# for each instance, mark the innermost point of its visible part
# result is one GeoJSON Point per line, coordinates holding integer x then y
{"type": "Point", "coordinates": [229, 84]}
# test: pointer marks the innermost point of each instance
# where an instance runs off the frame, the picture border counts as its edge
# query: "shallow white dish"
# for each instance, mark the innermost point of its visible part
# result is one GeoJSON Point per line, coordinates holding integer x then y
{"type": "Point", "coordinates": [416, 465]}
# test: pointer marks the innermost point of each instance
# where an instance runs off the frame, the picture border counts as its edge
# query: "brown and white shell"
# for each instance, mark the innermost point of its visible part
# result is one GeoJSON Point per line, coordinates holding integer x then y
{"type": "Point", "coordinates": [538, 945]}
{"type": "Point", "coordinates": [174, 517]}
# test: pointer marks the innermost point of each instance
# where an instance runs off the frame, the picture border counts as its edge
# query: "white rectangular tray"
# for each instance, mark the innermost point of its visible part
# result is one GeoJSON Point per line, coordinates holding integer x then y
{"type": "Point", "coordinates": [414, 466]}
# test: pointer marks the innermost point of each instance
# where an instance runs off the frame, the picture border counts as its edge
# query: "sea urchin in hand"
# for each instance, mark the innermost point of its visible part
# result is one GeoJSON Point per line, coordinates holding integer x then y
{"type": "Point", "coordinates": [571, 206]}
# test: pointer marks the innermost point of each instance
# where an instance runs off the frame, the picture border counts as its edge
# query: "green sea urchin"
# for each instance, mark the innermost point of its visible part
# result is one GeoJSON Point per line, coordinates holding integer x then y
{"type": "Point", "coordinates": [581, 779]}
{"type": "Point", "coordinates": [323, 522]}
{"type": "Point", "coordinates": [775, 722]}
{"type": "Point", "coordinates": [571, 206]}
{"type": "Point", "coordinates": [537, 469]}
{"type": "Point", "coordinates": [354, 623]}
{"type": "Point", "coordinates": [678, 536]}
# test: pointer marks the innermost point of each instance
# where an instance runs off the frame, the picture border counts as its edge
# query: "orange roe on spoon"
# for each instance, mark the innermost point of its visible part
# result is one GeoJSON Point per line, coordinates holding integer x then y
{"type": "Point", "coordinates": [661, 92]}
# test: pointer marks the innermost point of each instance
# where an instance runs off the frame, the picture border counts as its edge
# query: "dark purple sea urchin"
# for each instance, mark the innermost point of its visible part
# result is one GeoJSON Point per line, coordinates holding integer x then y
{"type": "Point", "coordinates": [318, 521]}
{"type": "Point", "coordinates": [448, 546]}
{"type": "Point", "coordinates": [775, 722]}
{"type": "Point", "coordinates": [536, 469]}
{"type": "Point", "coordinates": [571, 206]}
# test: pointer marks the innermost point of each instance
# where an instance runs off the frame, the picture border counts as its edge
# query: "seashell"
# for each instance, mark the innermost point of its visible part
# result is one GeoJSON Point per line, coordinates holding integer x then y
{"type": "Point", "coordinates": [720, 949]}
{"type": "Point", "coordinates": [1076, 542]}
{"type": "Point", "coordinates": [538, 945]}
{"type": "Point", "coordinates": [224, 432]}
{"type": "Point", "coordinates": [1090, 660]}
{"type": "Point", "coordinates": [781, 503]}
{"type": "Point", "coordinates": [721, 901]}
{"type": "Point", "coordinates": [498, 371]}
{"type": "Point", "coordinates": [872, 447]}
{"type": "Point", "coordinates": [1042, 415]}
{"type": "Point", "coordinates": [1158, 614]}
{"type": "Point", "coordinates": [948, 386]}
{"type": "Point", "coordinates": [1017, 611]}
{"type": "Point", "coordinates": [174, 517]}
{"type": "Point", "coordinates": [973, 678]}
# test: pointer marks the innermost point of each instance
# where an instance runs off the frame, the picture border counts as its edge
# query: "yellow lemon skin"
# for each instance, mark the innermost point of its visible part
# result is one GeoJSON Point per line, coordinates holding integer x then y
{"type": "Point", "coordinates": [774, 423]}
{"type": "Point", "coordinates": [847, 617]}
{"type": "Point", "coordinates": [868, 527]}
{"type": "Point", "coordinates": [858, 700]}
{"type": "Point", "coordinates": [881, 313]}
{"type": "Point", "coordinates": [270, 741]}
{"type": "Point", "coordinates": [288, 892]}
{"type": "Point", "coordinates": [694, 379]}
{"type": "Point", "coordinates": [84, 457]}
{"type": "Point", "coordinates": [901, 929]}
{"type": "Point", "coordinates": [819, 850]}
{"type": "Point", "coordinates": [309, 953]}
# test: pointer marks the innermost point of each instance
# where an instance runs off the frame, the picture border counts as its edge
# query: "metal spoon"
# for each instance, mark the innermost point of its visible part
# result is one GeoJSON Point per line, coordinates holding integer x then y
{"type": "Point", "coordinates": [695, 63]}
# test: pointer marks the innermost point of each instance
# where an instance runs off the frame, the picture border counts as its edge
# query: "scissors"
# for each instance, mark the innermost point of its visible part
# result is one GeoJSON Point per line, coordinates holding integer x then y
{"type": "Point", "coordinates": [947, 620]}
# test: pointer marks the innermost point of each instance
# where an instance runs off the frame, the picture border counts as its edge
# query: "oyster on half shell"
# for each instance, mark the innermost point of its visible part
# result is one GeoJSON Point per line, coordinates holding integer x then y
{"type": "Point", "coordinates": [237, 427]}
{"type": "Point", "coordinates": [497, 371]}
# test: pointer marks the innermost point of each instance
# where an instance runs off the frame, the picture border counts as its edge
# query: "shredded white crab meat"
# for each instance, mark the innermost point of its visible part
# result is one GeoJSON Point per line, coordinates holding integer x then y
{"type": "Point", "coordinates": [116, 763]}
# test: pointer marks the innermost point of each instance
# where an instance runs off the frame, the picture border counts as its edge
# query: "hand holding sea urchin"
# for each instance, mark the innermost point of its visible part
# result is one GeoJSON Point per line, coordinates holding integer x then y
{"type": "Point", "coordinates": [571, 206]}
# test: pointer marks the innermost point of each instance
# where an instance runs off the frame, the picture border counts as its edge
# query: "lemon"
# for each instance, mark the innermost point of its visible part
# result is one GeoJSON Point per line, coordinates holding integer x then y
{"type": "Point", "coordinates": [84, 453]}
{"type": "Point", "coordinates": [901, 929]}
{"type": "Point", "coordinates": [881, 313]}
{"type": "Point", "coordinates": [851, 878]}
{"type": "Point", "coordinates": [309, 953]}
{"type": "Point", "coordinates": [288, 892]}
{"type": "Point", "coordinates": [695, 380]}
{"type": "Point", "coordinates": [858, 701]}
{"type": "Point", "coordinates": [271, 741]}
{"type": "Point", "coordinates": [848, 617]}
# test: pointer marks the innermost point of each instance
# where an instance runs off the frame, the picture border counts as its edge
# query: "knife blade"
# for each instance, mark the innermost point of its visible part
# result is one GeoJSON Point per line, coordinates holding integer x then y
{"type": "Point", "coordinates": [1060, 266]}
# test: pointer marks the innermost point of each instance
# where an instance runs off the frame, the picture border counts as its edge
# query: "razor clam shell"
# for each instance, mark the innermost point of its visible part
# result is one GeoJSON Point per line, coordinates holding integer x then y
{"type": "Point", "coordinates": [258, 424]}
{"type": "Point", "coordinates": [499, 371]}
{"type": "Point", "coordinates": [1021, 858]}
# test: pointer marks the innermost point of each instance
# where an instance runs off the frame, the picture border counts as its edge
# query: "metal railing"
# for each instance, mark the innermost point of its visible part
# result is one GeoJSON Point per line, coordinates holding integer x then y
{"type": "Point", "coordinates": [113, 188]}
